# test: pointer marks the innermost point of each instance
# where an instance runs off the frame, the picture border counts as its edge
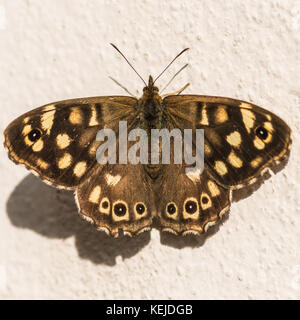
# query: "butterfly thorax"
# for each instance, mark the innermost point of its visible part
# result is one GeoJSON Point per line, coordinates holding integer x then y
{"type": "Point", "coordinates": [150, 105]}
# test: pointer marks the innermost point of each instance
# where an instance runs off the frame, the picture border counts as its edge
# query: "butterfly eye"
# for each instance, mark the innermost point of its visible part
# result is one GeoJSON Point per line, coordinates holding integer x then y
{"type": "Point", "coordinates": [262, 133]}
{"type": "Point", "coordinates": [34, 135]}
{"type": "Point", "coordinates": [140, 208]}
{"type": "Point", "coordinates": [171, 208]}
{"type": "Point", "coordinates": [191, 207]}
{"type": "Point", "coordinates": [120, 209]}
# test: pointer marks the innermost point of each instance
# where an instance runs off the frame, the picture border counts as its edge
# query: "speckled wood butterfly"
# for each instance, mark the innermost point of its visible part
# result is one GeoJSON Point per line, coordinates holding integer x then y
{"type": "Point", "coordinates": [58, 143]}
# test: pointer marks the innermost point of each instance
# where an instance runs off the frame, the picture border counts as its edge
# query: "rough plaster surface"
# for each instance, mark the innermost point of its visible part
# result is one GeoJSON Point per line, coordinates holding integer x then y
{"type": "Point", "coordinates": [52, 50]}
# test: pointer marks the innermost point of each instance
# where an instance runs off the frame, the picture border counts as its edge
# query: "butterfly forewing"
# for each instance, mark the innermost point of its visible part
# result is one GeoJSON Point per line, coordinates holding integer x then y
{"type": "Point", "coordinates": [58, 141]}
{"type": "Point", "coordinates": [241, 139]}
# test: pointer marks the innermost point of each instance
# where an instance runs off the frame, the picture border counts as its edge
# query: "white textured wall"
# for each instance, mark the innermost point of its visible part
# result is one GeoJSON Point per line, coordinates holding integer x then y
{"type": "Point", "coordinates": [58, 49]}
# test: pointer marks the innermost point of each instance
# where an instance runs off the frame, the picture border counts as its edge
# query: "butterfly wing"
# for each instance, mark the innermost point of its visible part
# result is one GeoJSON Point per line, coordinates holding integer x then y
{"type": "Point", "coordinates": [117, 197]}
{"type": "Point", "coordinates": [58, 141]}
{"type": "Point", "coordinates": [241, 139]}
{"type": "Point", "coordinates": [189, 204]}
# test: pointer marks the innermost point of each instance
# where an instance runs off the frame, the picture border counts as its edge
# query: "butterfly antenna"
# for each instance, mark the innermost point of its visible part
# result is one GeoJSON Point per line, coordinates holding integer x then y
{"type": "Point", "coordinates": [175, 75]}
{"type": "Point", "coordinates": [171, 63]}
{"type": "Point", "coordinates": [129, 63]}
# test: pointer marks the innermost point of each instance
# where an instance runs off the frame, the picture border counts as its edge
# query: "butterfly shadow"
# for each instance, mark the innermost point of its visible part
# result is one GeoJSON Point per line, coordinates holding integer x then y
{"type": "Point", "coordinates": [53, 213]}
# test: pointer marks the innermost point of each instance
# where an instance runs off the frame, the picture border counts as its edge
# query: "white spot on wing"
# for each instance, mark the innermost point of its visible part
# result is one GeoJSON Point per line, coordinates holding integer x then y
{"type": "Point", "coordinates": [194, 175]}
{"type": "Point", "coordinates": [95, 195]}
{"type": "Point", "coordinates": [93, 120]}
{"type": "Point", "coordinates": [112, 180]}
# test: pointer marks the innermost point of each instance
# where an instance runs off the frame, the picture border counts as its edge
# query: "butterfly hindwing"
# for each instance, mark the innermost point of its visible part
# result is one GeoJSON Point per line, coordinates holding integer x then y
{"type": "Point", "coordinates": [190, 203]}
{"type": "Point", "coordinates": [117, 197]}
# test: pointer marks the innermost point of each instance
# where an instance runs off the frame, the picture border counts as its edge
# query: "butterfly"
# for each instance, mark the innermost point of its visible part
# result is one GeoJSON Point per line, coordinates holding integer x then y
{"type": "Point", "coordinates": [58, 142]}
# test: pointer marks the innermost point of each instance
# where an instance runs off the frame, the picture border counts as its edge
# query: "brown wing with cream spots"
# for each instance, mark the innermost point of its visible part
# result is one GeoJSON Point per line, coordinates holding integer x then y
{"type": "Point", "coordinates": [189, 204]}
{"type": "Point", "coordinates": [58, 141]}
{"type": "Point", "coordinates": [119, 197]}
{"type": "Point", "coordinates": [241, 139]}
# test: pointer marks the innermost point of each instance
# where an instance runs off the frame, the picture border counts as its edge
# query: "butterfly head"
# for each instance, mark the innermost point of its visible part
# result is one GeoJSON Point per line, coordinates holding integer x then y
{"type": "Point", "coordinates": [150, 90]}
{"type": "Point", "coordinates": [150, 86]}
